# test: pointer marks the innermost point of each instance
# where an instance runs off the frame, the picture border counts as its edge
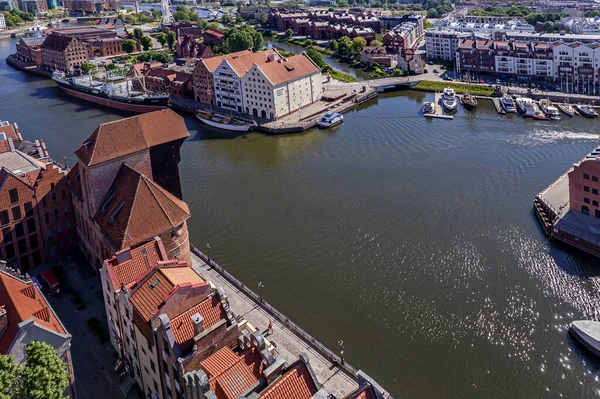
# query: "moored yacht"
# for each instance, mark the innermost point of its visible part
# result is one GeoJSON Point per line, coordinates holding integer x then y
{"type": "Point", "coordinates": [526, 106]}
{"type": "Point", "coordinates": [586, 111]}
{"type": "Point", "coordinates": [567, 109]}
{"type": "Point", "coordinates": [550, 110]}
{"type": "Point", "coordinates": [449, 99]}
{"type": "Point", "coordinates": [508, 104]}
{"type": "Point", "coordinates": [330, 119]}
{"type": "Point", "coordinates": [588, 333]}
{"type": "Point", "coordinates": [428, 107]}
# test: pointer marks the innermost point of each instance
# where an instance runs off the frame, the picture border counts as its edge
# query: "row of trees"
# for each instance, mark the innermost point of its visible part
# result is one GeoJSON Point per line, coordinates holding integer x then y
{"type": "Point", "coordinates": [43, 377]}
{"type": "Point", "coordinates": [550, 20]}
{"type": "Point", "coordinates": [240, 38]}
{"type": "Point", "coordinates": [348, 49]}
{"type": "Point", "coordinates": [15, 17]}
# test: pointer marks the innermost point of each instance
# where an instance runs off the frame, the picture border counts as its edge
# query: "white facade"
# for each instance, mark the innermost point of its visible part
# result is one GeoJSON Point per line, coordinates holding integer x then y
{"type": "Point", "coordinates": [504, 64]}
{"type": "Point", "coordinates": [442, 44]}
{"type": "Point", "coordinates": [228, 88]}
{"type": "Point", "coordinates": [2, 22]}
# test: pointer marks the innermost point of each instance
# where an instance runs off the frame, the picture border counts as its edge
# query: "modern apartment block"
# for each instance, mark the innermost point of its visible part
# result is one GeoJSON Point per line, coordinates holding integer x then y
{"type": "Point", "coordinates": [442, 44]}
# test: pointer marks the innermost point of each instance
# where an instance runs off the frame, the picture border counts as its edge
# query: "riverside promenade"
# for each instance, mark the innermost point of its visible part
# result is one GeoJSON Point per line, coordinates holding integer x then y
{"type": "Point", "coordinates": [288, 339]}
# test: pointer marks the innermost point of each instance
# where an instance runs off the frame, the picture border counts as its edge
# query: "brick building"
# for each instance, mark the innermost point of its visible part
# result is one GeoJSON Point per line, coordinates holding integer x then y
{"type": "Point", "coordinates": [213, 37]}
{"type": "Point", "coordinates": [188, 47]}
{"type": "Point", "coordinates": [63, 52]}
{"type": "Point", "coordinates": [126, 171]}
{"type": "Point", "coordinates": [26, 316]}
{"type": "Point", "coordinates": [92, 6]}
{"type": "Point", "coordinates": [183, 29]}
{"type": "Point", "coordinates": [29, 50]}
{"type": "Point", "coordinates": [35, 7]}
{"type": "Point", "coordinates": [36, 216]}
{"type": "Point", "coordinates": [584, 186]}
{"type": "Point", "coordinates": [175, 80]}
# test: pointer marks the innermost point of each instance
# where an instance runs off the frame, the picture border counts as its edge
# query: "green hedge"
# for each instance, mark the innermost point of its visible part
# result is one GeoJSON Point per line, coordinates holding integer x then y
{"type": "Point", "coordinates": [428, 85]}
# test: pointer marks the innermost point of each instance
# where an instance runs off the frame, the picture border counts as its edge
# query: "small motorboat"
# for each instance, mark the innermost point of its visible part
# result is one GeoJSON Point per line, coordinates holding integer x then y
{"type": "Point", "coordinates": [468, 101]}
{"type": "Point", "coordinates": [567, 109]}
{"type": "Point", "coordinates": [588, 333]}
{"type": "Point", "coordinates": [428, 108]}
{"type": "Point", "coordinates": [550, 110]}
{"type": "Point", "coordinates": [330, 119]}
{"type": "Point", "coordinates": [449, 99]}
{"type": "Point", "coordinates": [526, 106]}
{"type": "Point", "coordinates": [508, 104]}
{"type": "Point", "coordinates": [586, 111]}
{"type": "Point", "coordinates": [225, 122]}
{"type": "Point", "coordinates": [539, 115]}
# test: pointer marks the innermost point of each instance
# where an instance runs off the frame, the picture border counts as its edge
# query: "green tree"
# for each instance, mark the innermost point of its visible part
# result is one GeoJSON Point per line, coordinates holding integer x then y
{"type": "Point", "coordinates": [239, 40]}
{"type": "Point", "coordinates": [226, 19]}
{"type": "Point", "coordinates": [43, 377]}
{"type": "Point", "coordinates": [358, 43]}
{"type": "Point", "coordinates": [238, 18]}
{"type": "Point", "coordinates": [432, 13]}
{"type": "Point", "coordinates": [334, 45]}
{"type": "Point", "coordinates": [171, 39]}
{"type": "Point", "coordinates": [376, 42]}
{"type": "Point", "coordinates": [146, 43]}
{"type": "Point", "coordinates": [548, 26]}
{"type": "Point", "coordinates": [138, 33]}
{"type": "Point", "coordinates": [317, 58]}
{"type": "Point", "coordinates": [90, 23]}
{"type": "Point", "coordinates": [86, 67]}
{"type": "Point", "coordinates": [10, 377]}
{"type": "Point", "coordinates": [262, 18]}
{"type": "Point", "coordinates": [345, 47]}
{"type": "Point", "coordinates": [129, 46]}
{"type": "Point", "coordinates": [214, 26]}
{"type": "Point", "coordinates": [592, 14]}
{"type": "Point", "coordinates": [161, 38]}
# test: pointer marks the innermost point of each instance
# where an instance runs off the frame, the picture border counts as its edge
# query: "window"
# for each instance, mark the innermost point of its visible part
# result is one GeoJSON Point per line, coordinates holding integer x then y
{"type": "Point", "coordinates": [155, 385]}
{"type": "Point", "coordinates": [595, 203]}
{"type": "Point", "coordinates": [22, 244]}
{"type": "Point", "coordinates": [28, 209]}
{"type": "Point", "coordinates": [66, 210]}
{"type": "Point", "coordinates": [586, 189]}
{"type": "Point", "coordinates": [3, 218]}
{"type": "Point", "coordinates": [14, 195]}
{"type": "Point", "coordinates": [586, 176]}
{"type": "Point", "coordinates": [7, 235]}
{"type": "Point", "coordinates": [585, 210]}
{"type": "Point", "coordinates": [19, 230]}
{"type": "Point", "coordinates": [595, 179]}
{"type": "Point", "coordinates": [152, 365]}
{"type": "Point", "coordinates": [57, 216]}
{"type": "Point", "coordinates": [44, 202]}
{"type": "Point", "coordinates": [586, 200]}
{"type": "Point", "coordinates": [47, 217]}
{"type": "Point", "coordinates": [31, 227]}
{"type": "Point", "coordinates": [54, 198]}
{"type": "Point", "coordinates": [16, 211]}
{"type": "Point", "coordinates": [10, 251]}
{"type": "Point", "coordinates": [49, 233]}
{"type": "Point", "coordinates": [597, 213]}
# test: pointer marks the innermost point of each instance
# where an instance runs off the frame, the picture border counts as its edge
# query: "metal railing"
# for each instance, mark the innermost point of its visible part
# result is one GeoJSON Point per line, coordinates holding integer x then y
{"type": "Point", "coordinates": [283, 319]}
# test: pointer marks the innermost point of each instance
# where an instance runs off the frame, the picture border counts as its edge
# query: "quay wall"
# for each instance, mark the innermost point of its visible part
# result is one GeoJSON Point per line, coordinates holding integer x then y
{"type": "Point", "coordinates": [13, 62]}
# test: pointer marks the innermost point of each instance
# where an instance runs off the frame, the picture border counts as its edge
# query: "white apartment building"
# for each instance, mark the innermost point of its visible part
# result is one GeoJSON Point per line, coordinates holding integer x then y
{"type": "Point", "coordinates": [584, 26]}
{"type": "Point", "coordinates": [281, 86]}
{"type": "Point", "coordinates": [2, 21]}
{"type": "Point", "coordinates": [442, 43]}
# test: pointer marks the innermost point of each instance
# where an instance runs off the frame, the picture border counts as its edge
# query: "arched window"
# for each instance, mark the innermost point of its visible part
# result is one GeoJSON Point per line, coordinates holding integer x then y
{"type": "Point", "coordinates": [585, 210]}
{"type": "Point", "coordinates": [597, 213]}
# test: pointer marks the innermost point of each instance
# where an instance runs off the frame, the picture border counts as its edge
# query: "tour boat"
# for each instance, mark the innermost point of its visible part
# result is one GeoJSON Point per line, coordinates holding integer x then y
{"type": "Point", "coordinates": [330, 119]}
{"type": "Point", "coordinates": [116, 91]}
{"type": "Point", "coordinates": [586, 111]}
{"type": "Point", "coordinates": [468, 101]}
{"type": "Point", "coordinates": [567, 109]}
{"type": "Point", "coordinates": [588, 333]}
{"type": "Point", "coordinates": [508, 104]}
{"type": "Point", "coordinates": [449, 99]}
{"type": "Point", "coordinates": [428, 107]}
{"type": "Point", "coordinates": [526, 106]}
{"type": "Point", "coordinates": [225, 122]}
{"type": "Point", "coordinates": [550, 110]}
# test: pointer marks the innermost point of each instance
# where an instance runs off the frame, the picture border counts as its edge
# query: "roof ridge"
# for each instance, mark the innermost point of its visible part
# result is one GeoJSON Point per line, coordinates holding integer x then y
{"type": "Point", "coordinates": [156, 199]}
{"type": "Point", "coordinates": [133, 202]}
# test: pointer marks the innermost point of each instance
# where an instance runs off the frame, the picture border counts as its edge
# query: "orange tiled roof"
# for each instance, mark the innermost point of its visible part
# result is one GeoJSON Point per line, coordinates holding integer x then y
{"type": "Point", "coordinates": [213, 62]}
{"type": "Point", "coordinates": [241, 65]}
{"type": "Point", "coordinates": [136, 209]}
{"type": "Point", "coordinates": [296, 383]}
{"type": "Point", "coordinates": [154, 288]}
{"type": "Point", "coordinates": [231, 375]}
{"type": "Point", "coordinates": [127, 136]}
{"type": "Point", "coordinates": [210, 309]}
{"type": "Point", "coordinates": [365, 393]}
{"type": "Point", "coordinates": [141, 259]}
{"type": "Point", "coordinates": [214, 33]}
{"type": "Point", "coordinates": [294, 68]}
{"type": "Point", "coordinates": [22, 301]}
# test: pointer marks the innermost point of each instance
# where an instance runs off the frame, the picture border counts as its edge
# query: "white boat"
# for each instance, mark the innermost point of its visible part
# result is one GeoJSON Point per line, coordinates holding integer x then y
{"type": "Point", "coordinates": [508, 104]}
{"type": "Point", "coordinates": [330, 119]}
{"type": "Point", "coordinates": [449, 99]}
{"type": "Point", "coordinates": [526, 106]}
{"type": "Point", "coordinates": [428, 107]}
{"type": "Point", "coordinates": [588, 333]}
{"type": "Point", "coordinates": [567, 109]}
{"type": "Point", "coordinates": [225, 122]}
{"type": "Point", "coordinates": [550, 110]}
{"type": "Point", "coordinates": [586, 111]}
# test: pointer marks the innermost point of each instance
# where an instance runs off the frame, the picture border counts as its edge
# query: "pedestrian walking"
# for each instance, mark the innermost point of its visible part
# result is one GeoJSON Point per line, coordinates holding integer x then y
{"type": "Point", "coordinates": [270, 326]}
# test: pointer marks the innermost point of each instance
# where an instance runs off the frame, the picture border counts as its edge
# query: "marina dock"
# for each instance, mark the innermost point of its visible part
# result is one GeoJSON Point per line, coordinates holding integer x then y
{"type": "Point", "coordinates": [498, 106]}
{"type": "Point", "coordinates": [439, 111]}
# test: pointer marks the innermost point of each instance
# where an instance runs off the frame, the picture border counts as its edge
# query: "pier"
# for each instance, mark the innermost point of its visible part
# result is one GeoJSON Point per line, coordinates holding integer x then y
{"type": "Point", "coordinates": [439, 109]}
{"type": "Point", "coordinates": [337, 376]}
{"type": "Point", "coordinates": [498, 106]}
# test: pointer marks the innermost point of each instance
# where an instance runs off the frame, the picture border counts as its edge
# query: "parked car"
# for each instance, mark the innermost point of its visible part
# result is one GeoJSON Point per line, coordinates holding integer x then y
{"type": "Point", "coordinates": [557, 87]}
{"type": "Point", "coordinates": [498, 81]}
{"type": "Point", "coordinates": [436, 71]}
{"type": "Point", "coordinates": [51, 281]}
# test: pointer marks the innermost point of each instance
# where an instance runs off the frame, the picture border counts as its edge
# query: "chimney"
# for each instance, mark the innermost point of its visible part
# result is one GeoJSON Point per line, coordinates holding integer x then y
{"type": "Point", "coordinates": [3, 320]}
{"type": "Point", "coordinates": [198, 322]}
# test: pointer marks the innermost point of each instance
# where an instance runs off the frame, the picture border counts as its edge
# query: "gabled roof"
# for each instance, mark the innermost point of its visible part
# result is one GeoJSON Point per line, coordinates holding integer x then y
{"type": "Point", "coordinates": [128, 265]}
{"type": "Point", "coordinates": [288, 69]}
{"type": "Point", "coordinates": [22, 300]}
{"type": "Point", "coordinates": [57, 42]}
{"type": "Point", "coordinates": [295, 383]}
{"type": "Point", "coordinates": [231, 375]}
{"type": "Point", "coordinates": [155, 287]}
{"type": "Point", "coordinates": [136, 209]}
{"type": "Point", "coordinates": [214, 33]}
{"type": "Point", "coordinates": [210, 309]}
{"type": "Point", "coordinates": [241, 65]}
{"type": "Point", "coordinates": [127, 136]}
{"type": "Point", "coordinates": [213, 63]}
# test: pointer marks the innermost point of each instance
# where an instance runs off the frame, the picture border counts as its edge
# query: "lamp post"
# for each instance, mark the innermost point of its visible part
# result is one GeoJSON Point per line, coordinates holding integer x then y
{"type": "Point", "coordinates": [341, 344]}
{"type": "Point", "coordinates": [208, 252]}
{"type": "Point", "coordinates": [260, 287]}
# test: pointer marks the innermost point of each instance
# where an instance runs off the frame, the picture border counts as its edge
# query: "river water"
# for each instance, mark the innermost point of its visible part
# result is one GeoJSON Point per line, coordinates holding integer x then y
{"type": "Point", "coordinates": [413, 240]}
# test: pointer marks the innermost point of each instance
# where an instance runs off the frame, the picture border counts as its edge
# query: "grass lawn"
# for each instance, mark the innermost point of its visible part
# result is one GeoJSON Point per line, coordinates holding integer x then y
{"type": "Point", "coordinates": [428, 85]}
{"type": "Point", "coordinates": [341, 76]}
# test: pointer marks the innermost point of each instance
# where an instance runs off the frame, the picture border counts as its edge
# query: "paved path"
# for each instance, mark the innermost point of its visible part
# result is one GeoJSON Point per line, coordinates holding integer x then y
{"type": "Point", "coordinates": [289, 345]}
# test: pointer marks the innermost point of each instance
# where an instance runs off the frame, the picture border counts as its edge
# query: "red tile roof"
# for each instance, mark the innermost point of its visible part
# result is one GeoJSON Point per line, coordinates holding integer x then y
{"type": "Point", "coordinates": [213, 62]}
{"type": "Point", "coordinates": [135, 262]}
{"type": "Point", "coordinates": [231, 375]}
{"type": "Point", "coordinates": [210, 309]}
{"type": "Point", "coordinates": [296, 383]}
{"type": "Point", "coordinates": [365, 393]}
{"type": "Point", "coordinates": [22, 301]}
{"type": "Point", "coordinates": [290, 68]}
{"type": "Point", "coordinates": [130, 135]}
{"type": "Point", "coordinates": [214, 33]}
{"type": "Point", "coordinates": [57, 42]}
{"type": "Point", "coordinates": [153, 288]}
{"type": "Point", "coordinates": [241, 65]}
{"type": "Point", "coordinates": [136, 209]}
